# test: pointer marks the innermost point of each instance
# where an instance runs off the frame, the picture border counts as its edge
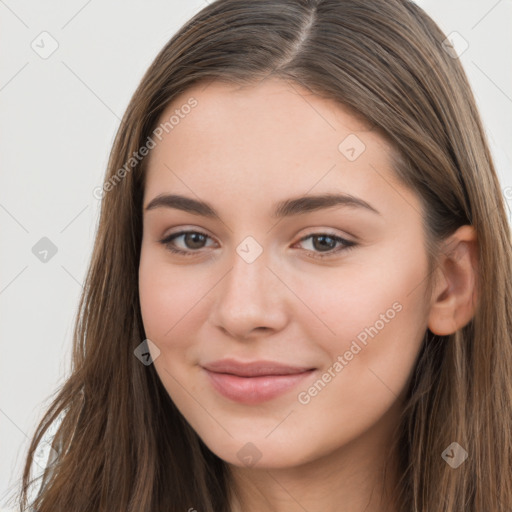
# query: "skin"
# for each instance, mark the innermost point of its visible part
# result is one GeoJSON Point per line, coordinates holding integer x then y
{"type": "Point", "coordinates": [243, 149]}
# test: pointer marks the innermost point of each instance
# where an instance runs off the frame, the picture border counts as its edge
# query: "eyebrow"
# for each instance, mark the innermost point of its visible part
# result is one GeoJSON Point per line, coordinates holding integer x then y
{"type": "Point", "coordinates": [286, 208]}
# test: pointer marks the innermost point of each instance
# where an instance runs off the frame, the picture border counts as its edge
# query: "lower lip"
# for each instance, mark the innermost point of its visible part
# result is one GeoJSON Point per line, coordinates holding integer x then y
{"type": "Point", "coordinates": [254, 390]}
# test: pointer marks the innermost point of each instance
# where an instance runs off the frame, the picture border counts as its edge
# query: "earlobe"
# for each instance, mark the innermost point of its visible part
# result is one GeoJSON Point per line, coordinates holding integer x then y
{"type": "Point", "coordinates": [453, 301]}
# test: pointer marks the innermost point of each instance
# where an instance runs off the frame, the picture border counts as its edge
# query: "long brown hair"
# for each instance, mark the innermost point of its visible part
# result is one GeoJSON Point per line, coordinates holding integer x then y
{"type": "Point", "coordinates": [122, 445]}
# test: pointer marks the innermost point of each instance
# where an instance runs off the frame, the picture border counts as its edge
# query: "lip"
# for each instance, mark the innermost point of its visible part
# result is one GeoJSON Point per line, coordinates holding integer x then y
{"type": "Point", "coordinates": [254, 382]}
{"type": "Point", "coordinates": [254, 368]}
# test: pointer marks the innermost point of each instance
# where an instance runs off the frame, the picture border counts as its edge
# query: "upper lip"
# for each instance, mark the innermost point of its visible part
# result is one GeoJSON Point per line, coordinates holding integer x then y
{"type": "Point", "coordinates": [254, 368]}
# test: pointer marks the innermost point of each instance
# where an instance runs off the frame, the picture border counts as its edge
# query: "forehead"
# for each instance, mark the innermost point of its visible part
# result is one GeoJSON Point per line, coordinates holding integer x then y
{"type": "Point", "coordinates": [271, 110]}
{"type": "Point", "coordinates": [266, 141]}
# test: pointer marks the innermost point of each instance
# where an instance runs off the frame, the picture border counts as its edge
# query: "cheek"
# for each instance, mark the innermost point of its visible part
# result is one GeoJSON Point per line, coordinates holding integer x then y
{"type": "Point", "coordinates": [162, 296]}
{"type": "Point", "coordinates": [376, 316]}
{"type": "Point", "coordinates": [172, 300]}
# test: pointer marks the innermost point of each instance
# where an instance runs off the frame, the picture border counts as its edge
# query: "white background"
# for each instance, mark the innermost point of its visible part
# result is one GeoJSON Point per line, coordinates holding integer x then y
{"type": "Point", "coordinates": [60, 115]}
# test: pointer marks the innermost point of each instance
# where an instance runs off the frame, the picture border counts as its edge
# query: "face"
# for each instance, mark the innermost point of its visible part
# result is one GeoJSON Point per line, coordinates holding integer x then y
{"type": "Point", "coordinates": [330, 289]}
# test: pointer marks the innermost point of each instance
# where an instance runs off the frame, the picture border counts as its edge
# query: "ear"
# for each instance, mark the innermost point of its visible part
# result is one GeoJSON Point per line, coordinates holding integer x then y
{"type": "Point", "coordinates": [454, 296]}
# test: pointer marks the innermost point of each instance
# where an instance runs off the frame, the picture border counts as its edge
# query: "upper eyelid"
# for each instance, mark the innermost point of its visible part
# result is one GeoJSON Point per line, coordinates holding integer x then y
{"type": "Point", "coordinates": [318, 232]}
{"type": "Point", "coordinates": [186, 232]}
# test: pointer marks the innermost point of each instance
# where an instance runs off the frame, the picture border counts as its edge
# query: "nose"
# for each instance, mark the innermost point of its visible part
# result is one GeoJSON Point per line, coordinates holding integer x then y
{"type": "Point", "coordinates": [250, 298]}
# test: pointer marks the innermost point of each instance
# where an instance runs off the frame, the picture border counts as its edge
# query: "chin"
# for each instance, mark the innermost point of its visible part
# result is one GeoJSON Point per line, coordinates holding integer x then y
{"type": "Point", "coordinates": [261, 453]}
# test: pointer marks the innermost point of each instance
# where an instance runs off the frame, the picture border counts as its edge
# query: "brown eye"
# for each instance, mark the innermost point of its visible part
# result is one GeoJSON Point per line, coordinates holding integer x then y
{"type": "Point", "coordinates": [193, 241]}
{"type": "Point", "coordinates": [326, 243]}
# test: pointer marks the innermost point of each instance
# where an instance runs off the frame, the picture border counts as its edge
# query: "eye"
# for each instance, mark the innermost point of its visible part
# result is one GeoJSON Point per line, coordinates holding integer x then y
{"type": "Point", "coordinates": [192, 239]}
{"type": "Point", "coordinates": [326, 243]}
{"type": "Point", "coordinates": [322, 243]}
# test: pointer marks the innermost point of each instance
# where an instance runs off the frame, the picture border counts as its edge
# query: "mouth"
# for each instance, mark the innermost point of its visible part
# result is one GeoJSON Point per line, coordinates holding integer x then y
{"type": "Point", "coordinates": [255, 382]}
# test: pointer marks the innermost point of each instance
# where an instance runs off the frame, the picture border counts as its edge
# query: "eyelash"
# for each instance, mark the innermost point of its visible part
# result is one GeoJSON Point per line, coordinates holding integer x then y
{"type": "Point", "coordinates": [347, 244]}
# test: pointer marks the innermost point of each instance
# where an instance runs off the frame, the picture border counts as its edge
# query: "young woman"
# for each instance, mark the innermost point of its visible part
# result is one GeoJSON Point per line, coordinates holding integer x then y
{"type": "Point", "coordinates": [300, 291]}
